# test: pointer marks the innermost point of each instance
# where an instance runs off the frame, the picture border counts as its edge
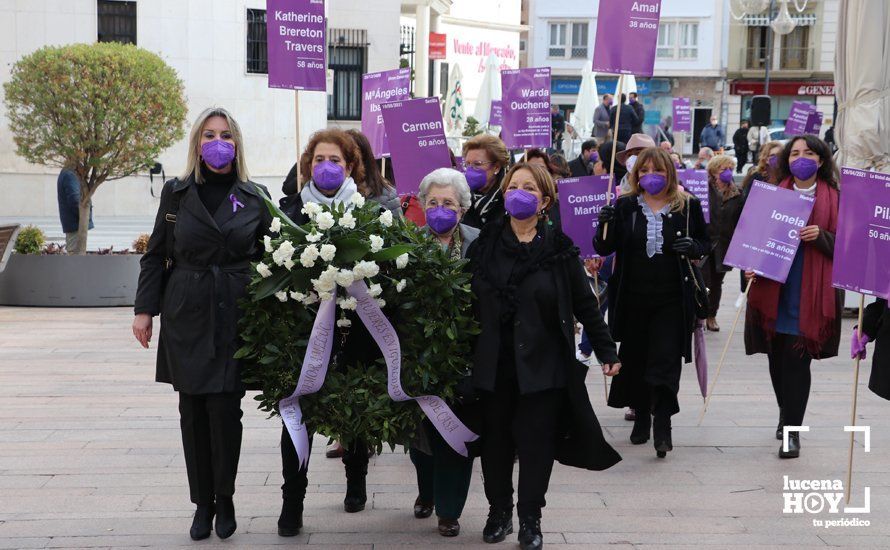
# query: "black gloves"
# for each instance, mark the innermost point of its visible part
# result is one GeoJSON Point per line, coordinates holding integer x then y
{"type": "Point", "coordinates": [606, 214]}
{"type": "Point", "coordinates": [683, 245]}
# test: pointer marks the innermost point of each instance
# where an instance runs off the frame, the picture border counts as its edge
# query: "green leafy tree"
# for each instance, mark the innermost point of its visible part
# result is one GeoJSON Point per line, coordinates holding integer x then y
{"type": "Point", "coordinates": [103, 110]}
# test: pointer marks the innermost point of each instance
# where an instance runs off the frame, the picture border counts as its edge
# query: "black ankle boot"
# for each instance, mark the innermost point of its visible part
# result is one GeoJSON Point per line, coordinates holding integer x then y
{"type": "Point", "coordinates": [498, 525]}
{"type": "Point", "coordinates": [781, 425]}
{"type": "Point", "coordinates": [530, 537]}
{"type": "Point", "coordinates": [356, 495]}
{"type": "Point", "coordinates": [202, 522]}
{"type": "Point", "coordinates": [290, 522]}
{"type": "Point", "coordinates": [225, 517]}
{"type": "Point", "coordinates": [661, 433]}
{"type": "Point", "coordinates": [793, 446]}
{"type": "Point", "coordinates": [642, 427]}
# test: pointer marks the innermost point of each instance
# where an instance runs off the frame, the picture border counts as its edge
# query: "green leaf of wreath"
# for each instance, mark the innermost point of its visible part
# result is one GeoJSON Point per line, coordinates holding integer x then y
{"type": "Point", "coordinates": [392, 252]}
{"type": "Point", "coordinates": [350, 250]}
{"type": "Point", "coordinates": [271, 285]}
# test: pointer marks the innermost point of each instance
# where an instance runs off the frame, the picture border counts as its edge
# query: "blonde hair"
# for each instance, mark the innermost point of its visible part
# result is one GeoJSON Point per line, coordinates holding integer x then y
{"type": "Point", "coordinates": [193, 164]}
{"type": "Point", "coordinates": [718, 164]}
{"type": "Point", "coordinates": [542, 178]}
{"type": "Point", "coordinates": [661, 162]}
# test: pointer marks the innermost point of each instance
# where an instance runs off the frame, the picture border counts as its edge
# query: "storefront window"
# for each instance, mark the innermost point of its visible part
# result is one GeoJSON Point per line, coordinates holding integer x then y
{"type": "Point", "coordinates": [781, 106]}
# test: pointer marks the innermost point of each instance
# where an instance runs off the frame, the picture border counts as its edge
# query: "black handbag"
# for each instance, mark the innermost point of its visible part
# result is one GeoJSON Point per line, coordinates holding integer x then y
{"type": "Point", "coordinates": [701, 290]}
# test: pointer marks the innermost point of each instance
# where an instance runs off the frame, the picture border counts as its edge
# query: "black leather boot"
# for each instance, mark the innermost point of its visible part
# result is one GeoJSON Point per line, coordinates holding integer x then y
{"type": "Point", "coordinates": [225, 517]}
{"type": "Point", "coordinates": [793, 446]}
{"type": "Point", "coordinates": [356, 494]}
{"type": "Point", "coordinates": [661, 433]}
{"type": "Point", "coordinates": [498, 525]}
{"type": "Point", "coordinates": [780, 426]}
{"type": "Point", "coordinates": [290, 522]}
{"type": "Point", "coordinates": [642, 427]}
{"type": "Point", "coordinates": [202, 522]}
{"type": "Point", "coordinates": [530, 537]}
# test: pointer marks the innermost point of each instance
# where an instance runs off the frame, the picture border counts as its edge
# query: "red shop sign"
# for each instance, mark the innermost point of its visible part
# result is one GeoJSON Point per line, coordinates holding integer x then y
{"type": "Point", "coordinates": [437, 45]}
{"type": "Point", "coordinates": [783, 87]}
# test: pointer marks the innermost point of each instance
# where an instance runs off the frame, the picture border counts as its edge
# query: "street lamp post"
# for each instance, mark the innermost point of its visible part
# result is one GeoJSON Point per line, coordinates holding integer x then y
{"type": "Point", "coordinates": [769, 46]}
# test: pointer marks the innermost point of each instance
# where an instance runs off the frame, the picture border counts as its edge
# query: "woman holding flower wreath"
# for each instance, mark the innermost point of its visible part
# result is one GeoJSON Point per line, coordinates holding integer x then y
{"type": "Point", "coordinates": [529, 287]}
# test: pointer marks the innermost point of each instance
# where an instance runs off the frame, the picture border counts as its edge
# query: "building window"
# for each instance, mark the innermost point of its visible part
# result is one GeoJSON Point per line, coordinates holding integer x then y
{"type": "Point", "coordinates": [677, 40]}
{"type": "Point", "coordinates": [348, 57]}
{"type": "Point", "coordinates": [755, 53]}
{"type": "Point", "coordinates": [116, 21]}
{"type": "Point", "coordinates": [795, 49]}
{"type": "Point", "coordinates": [568, 40]}
{"type": "Point", "coordinates": [257, 56]}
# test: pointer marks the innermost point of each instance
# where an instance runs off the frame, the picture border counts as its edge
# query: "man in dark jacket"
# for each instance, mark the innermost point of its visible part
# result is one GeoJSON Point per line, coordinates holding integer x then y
{"type": "Point", "coordinates": [740, 143]}
{"type": "Point", "coordinates": [558, 126]}
{"type": "Point", "coordinates": [640, 111]}
{"type": "Point", "coordinates": [627, 121]}
{"type": "Point", "coordinates": [582, 166]}
{"type": "Point", "coordinates": [68, 193]}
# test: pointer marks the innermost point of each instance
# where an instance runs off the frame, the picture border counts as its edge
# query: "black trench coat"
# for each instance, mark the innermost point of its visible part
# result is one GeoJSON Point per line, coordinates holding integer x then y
{"type": "Point", "coordinates": [198, 306]}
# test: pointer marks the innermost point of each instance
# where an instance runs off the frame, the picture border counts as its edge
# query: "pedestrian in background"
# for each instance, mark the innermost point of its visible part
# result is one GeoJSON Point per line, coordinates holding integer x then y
{"type": "Point", "coordinates": [68, 194]}
{"type": "Point", "coordinates": [558, 127]}
{"type": "Point", "coordinates": [712, 135]}
{"type": "Point", "coordinates": [195, 271]}
{"type": "Point", "coordinates": [639, 110]}
{"type": "Point", "coordinates": [601, 122]}
{"type": "Point", "coordinates": [754, 142]}
{"type": "Point", "coordinates": [800, 320]}
{"type": "Point", "coordinates": [654, 230]}
{"type": "Point", "coordinates": [627, 122]}
{"type": "Point", "coordinates": [725, 207]}
{"type": "Point", "coordinates": [705, 154]}
{"type": "Point", "coordinates": [583, 165]}
{"type": "Point", "coordinates": [740, 143]}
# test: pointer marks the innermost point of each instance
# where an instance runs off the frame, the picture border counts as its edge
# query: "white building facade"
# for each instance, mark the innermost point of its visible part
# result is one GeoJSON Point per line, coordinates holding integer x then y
{"type": "Point", "coordinates": [690, 57]}
{"type": "Point", "coordinates": [217, 47]}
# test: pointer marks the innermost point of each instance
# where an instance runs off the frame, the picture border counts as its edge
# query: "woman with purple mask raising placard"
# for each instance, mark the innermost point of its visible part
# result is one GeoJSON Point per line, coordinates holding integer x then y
{"type": "Point", "coordinates": [485, 158]}
{"type": "Point", "coordinates": [656, 294]}
{"type": "Point", "coordinates": [443, 476]}
{"type": "Point", "coordinates": [529, 287]}
{"type": "Point", "coordinates": [725, 207]}
{"type": "Point", "coordinates": [800, 320]}
{"type": "Point", "coordinates": [194, 280]}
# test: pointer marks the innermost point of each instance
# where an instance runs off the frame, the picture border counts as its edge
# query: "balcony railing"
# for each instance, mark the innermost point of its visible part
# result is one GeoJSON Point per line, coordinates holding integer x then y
{"type": "Point", "coordinates": [790, 59]}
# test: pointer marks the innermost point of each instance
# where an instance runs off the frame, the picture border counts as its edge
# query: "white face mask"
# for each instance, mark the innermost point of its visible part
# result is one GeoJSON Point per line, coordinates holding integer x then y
{"type": "Point", "coordinates": [630, 161]}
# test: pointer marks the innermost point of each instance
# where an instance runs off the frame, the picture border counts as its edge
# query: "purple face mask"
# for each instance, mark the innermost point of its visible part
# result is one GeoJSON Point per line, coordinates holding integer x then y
{"type": "Point", "coordinates": [803, 168]}
{"type": "Point", "coordinates": [217, 153]}
{"type": "Point", "coordinates": [632, 100]}
{"type": "Point", "coordinates": [594, 157]}
{"type": "Point", "coordinates": [476, 178]}
{"type": "Point", "coordinates": [521, 204]}
{"type": "Point", "coordinates": [653, 183]}
{"type": "Point", "coordinates": [726, 175]}
{"type": "Point", "coordinates": [679, 165]}
{"type": "Point", "coordinates": [441, 220]}
{"type": "Point", "coordinates": [328, 175]}
{"type": "Point", "coordinates": [773, 161]}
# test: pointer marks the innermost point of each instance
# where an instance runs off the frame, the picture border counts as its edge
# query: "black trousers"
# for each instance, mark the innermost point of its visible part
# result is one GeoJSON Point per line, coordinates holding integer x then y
{"type": "Point", "coordinates": [714, 281]}
{"type": "Point", "coordinates": [296, 478]}
{"type": "Point", "coordinates": [211, 442]}
{"type": "Point", "coordinates": [443, 478]}
{"type": "Point", "coordinates": [789, 370]}
{"type": "Point", "coordinates": [525, 425]}
{"type": "Point", "coordinates": [741, 156]}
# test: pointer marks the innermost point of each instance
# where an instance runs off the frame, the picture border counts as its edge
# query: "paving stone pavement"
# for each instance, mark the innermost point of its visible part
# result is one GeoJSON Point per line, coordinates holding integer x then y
{"type": "Point", "coordinates": [90, 457]}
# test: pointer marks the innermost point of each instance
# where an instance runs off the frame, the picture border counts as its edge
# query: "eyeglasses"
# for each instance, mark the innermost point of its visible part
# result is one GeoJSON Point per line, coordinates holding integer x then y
{"type": "Point", "coordinates": [479, 164]}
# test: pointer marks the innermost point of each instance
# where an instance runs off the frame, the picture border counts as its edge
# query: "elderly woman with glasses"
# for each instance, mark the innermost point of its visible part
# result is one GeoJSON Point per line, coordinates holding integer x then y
{"type": "Point", "coordinates": [443, 476]}
{"type": "Point", "coordinates": [485, 161]}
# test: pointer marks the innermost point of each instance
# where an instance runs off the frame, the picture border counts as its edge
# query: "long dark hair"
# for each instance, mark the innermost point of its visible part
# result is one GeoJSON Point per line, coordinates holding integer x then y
{"type": "Point", "coordinates": [374, 184]}
{"type": "Point", "coordinates": [827, 172]}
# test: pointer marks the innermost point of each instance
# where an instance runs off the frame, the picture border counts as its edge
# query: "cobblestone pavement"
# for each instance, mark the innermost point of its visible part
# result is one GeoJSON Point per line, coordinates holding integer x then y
{"type": "Point", "coordinates": [90, 457]}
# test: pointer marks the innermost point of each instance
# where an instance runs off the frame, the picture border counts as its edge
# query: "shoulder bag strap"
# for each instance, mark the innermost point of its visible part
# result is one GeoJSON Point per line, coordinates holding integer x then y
{"type": "Point", "coordinates": [170, 220]}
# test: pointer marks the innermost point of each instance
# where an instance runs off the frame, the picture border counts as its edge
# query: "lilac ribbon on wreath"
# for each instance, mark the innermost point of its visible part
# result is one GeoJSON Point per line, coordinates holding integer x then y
{"type": "Point", "coordinates": [315, 366]}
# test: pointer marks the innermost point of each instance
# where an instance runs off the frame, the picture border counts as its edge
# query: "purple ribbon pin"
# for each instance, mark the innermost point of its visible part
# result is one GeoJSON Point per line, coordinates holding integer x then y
{"type": "Point", "coordinates": [235, 202]}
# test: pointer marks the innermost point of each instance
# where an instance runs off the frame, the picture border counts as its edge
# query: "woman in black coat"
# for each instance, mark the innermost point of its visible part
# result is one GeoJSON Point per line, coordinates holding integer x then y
{"type": "Point", "coordinates": [195, 270]}
{"type": "Point", "coordinates": [655, 231]}
{"type": "Point", "coordinates": [876, 327]}
{"type": "Point", "coordinates": [529, 286]}
{"type": "Point", "coordinates": [725, 204]}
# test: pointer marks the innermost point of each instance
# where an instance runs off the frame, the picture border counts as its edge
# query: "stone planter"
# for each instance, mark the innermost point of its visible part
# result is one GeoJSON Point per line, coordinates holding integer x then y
{"type": "Point", "coordinates": [70, 281]}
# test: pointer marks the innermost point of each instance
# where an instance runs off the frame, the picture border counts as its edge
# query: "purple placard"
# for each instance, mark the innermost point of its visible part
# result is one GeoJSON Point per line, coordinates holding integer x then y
{"type": "Point", "coordinates": [496, 115]}
{"type": "Point", "coordinates": [416, 140]}
{"type": "Point", "coordinates": [862, 243]}
{"type": "Point", "coordinates": [580, 200]}
{"type": "Point", "coordinates": [526, 107]}
{"type": "Point", "coordinates": [696, 182]}
{"type": "Point", "coordinates": [767, 235]}
{"type": "Point", "coordinates": [814, 123]}
{"type": "Point", "coordinates": [296, 44]}
{"type": "Point", "coordinates": [380, 88]}
{"type": "Point", "coordinates": [797, 118]}
{"type": "Point", "coordinates": [626, 34]}
{"type": "Point", "coordinates": [682, 114]}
